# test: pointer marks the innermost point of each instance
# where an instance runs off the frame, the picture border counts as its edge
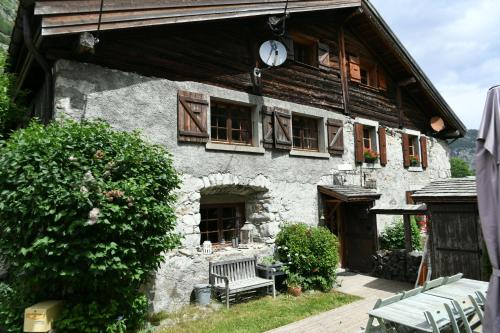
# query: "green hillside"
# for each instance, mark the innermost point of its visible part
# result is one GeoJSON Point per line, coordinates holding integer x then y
{"type": "Point", "coordinates": [465, 148]}
{"type": "Point", "coordinates": [8, 10]}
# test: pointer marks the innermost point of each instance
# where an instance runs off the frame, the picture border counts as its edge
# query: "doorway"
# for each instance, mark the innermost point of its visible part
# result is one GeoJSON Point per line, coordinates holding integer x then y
{"type": "Point", "coordinates": [356, 230]}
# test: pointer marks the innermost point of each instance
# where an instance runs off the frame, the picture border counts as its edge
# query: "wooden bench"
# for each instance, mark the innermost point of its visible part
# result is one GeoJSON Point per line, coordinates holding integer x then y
{"type": "Point", "coordinates": [235, 276]}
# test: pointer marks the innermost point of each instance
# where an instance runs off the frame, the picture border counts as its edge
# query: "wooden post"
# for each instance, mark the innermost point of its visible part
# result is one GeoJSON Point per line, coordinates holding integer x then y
{"type": "Point", "coordinates": [407, 225]}
{"type": "Point", "coordinates": [343, 70]}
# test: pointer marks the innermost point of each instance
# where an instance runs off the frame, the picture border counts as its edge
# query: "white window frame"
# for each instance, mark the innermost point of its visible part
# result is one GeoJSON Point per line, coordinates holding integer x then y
{"type": "Point", "coordinates": [374, 125]}
{"type": "Point", "coordinates": [255, 148]}
{"type": "Point", "coordinates": [416, 134]}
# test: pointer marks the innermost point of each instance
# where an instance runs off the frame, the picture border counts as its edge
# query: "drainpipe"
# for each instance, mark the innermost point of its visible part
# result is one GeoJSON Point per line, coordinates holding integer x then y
{"type": "Point", "coordinates": [49, 93]}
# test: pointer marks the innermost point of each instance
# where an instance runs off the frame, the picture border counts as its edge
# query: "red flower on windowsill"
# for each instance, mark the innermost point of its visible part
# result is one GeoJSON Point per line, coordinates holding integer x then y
{"type": "Point", "coordinates": [370, 156]}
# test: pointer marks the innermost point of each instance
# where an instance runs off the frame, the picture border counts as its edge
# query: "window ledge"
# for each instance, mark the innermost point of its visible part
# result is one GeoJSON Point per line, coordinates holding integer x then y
{"type": "Point", "coordinates": [372, 165]}
{"type": "Point", "coordinates": [314, 154]}
{"type": "Point", "coordinates": [415, 169]}
{"type": "Point", "coordinates": [234, 148]}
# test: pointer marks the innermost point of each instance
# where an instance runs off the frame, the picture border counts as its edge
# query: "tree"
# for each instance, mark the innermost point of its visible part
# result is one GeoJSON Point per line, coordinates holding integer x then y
{"type": "Point", "coordinates": [11, 112]}
{"type": "Point", "coordinates": [460, 168]}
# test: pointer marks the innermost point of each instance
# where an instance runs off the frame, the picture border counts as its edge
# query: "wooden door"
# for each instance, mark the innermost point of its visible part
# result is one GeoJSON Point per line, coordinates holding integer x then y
{"type": "Point", "coordinates": [456, 240]}
{"type": "Point", "coordinates": [360, 237]}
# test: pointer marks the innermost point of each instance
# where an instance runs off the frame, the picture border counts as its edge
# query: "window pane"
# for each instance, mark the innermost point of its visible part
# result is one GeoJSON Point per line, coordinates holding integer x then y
{"type": "Point", "coordinates": [240, 118]}
{"type": "Point", "coordinates": [305, 133]}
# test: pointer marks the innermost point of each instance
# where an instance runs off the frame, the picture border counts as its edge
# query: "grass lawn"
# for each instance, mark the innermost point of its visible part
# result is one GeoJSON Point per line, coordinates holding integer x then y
{"type": "Point", "coordinates": [259, 315]}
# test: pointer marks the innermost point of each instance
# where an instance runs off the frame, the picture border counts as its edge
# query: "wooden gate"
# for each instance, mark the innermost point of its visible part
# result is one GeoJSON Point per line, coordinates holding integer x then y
{"type": "Point", "coordinates": [456, 240]}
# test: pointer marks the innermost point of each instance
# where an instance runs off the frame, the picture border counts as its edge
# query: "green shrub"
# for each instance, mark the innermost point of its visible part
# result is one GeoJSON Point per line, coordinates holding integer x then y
{"type": "Point", "coordinates": [312, 253]}
{"type": "Point", "coordinates": [85, 214]}
{"type": "Point", "coordinates": [393, 237]}
{"type": "Point", "coordinates": [13, 300]}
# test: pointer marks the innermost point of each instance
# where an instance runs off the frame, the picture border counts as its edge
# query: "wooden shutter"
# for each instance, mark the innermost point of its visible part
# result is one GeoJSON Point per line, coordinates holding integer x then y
{"type": "Point", "coordinates": [288, 41]}
{"type": "Point", "coordinates": [192, 117]}
{"type": "Point", "coordinates": [323, 55]}
{"type": "Point", "coordinates": [282, 129]}
{"type": "Point", "coordinates": [268, 127]}
{"type": "Point", "coordinates": [358, 141]}
{"type": "Point", "coordinates": [406, 150]}
{"type": "Point", "coordinates": [423, 152]}
{"type": "Point", "coordinates": [335, 130]}
{"type": "Point", "coordinates": [383, 146]}
{"type": "Point", "coordinates": [354, 69]}
{"type": "Point", "coordinates": [382, 83]}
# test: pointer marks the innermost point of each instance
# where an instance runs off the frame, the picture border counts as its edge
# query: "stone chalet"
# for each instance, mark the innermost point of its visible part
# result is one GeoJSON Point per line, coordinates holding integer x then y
{"type": "Point", "coordinates": [348, 121]}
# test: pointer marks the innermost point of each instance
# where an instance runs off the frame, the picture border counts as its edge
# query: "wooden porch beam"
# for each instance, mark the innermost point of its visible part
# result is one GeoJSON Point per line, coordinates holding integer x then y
{"type": "Point", "coordinates": [407, 226]}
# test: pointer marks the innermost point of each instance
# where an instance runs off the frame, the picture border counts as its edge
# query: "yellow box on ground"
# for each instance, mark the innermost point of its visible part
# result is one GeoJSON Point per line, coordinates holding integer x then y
{"type": "Point", "coordinates": [39, 317]}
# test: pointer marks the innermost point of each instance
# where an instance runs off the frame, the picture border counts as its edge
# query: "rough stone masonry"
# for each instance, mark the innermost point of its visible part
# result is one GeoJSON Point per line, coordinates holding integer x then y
{"type": "Point", "coordinates": [276, 186]}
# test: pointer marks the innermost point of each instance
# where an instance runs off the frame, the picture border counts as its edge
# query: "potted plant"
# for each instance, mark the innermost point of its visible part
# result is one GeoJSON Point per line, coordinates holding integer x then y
{"type": "Point", "coordinates": [294, 283]}
{"type": "Point", "coordinates": [414, 161]}
{"type": "Point", "coordinates": [370, 156]}
{"type": "Point", "coordinates": [268, 266]}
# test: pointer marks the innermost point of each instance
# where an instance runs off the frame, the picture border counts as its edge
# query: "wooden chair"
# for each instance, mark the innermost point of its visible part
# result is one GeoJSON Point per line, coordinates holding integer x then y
{"type": "Point", "coordinates": [458, 319]}
{"type": "Point", "coordinates": [433, 283]}
{"type": "Point", "coordinates": [235, 276]}
{"type": "Point", "coordinates": [383, 326]}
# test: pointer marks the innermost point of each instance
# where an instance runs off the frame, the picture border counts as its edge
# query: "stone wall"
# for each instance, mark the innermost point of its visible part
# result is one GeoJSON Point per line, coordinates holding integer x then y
{"type": "Point", "coordinates": [397, 265]}
{"type": "Point", "coordinates": [275, 185]}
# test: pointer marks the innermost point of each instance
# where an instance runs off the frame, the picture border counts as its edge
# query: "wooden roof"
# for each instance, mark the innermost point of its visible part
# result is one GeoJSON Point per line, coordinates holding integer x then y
{"type": "Point", "coordinates": [349, 193]}
{"type": "Point", "coordinates": [72, 16]}
{"type": "Point", "coordinates": [449, 190]}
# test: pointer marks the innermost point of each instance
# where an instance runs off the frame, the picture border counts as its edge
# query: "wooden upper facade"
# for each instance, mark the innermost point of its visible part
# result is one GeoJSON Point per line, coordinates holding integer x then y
{"type": "Point", "coordinates": [342, 56]}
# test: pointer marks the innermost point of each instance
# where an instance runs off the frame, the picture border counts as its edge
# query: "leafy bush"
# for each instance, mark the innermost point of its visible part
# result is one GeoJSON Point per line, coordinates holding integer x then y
{"type": "Point", "coordinates": [13, 301]}
{"type": "Point", "coordinates": [85, 214]}
{"type": "Point", "coordinates": [312, 253]}
{"type": "Point", "coordinates": [393, 237]}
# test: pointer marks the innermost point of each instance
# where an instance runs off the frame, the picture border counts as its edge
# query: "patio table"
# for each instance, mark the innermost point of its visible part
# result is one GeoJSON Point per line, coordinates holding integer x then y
{"type": "Point", "coordinates": [409, 312]}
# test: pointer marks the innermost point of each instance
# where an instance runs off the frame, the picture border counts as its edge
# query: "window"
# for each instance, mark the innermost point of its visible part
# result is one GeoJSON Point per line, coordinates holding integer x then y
{"type": "Point", "coordinates": [413, 150]}
{"type": "Point", "coordinates": [304, 53]}
{"type": "Point", "coordinates": [305, 50]}
{"type": "Point", "coordinates": [221, 223]}
{"type": "Point", "coordinates": [305, 133]}
{"type": "Point", "coordinates": [231, 123]}
{"type": "Point", "coordinates": [369, 139]}
{"type": "Point", "coordinates": [366, 72]}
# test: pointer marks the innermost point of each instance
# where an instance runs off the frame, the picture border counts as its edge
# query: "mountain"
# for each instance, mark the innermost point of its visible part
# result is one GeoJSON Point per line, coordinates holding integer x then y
{"type": "Point", "coordinates": [465, 148]}
{"type": "Point", "coordinates": [8, 10]}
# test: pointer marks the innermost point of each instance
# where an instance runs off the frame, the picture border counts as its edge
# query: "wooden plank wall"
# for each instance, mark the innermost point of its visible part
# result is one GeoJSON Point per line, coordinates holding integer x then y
{"type": "Point", "coordinates": [224, 53]}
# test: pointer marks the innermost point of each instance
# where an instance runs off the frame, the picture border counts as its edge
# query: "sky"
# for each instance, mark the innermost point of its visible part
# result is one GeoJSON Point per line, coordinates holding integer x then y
{"type": "Point", "coordinates": [456, 43]}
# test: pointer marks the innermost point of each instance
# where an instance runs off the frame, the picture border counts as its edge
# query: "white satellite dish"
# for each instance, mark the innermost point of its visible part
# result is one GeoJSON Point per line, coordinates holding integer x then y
{"type": "Point", "coordinates": [273, 53]}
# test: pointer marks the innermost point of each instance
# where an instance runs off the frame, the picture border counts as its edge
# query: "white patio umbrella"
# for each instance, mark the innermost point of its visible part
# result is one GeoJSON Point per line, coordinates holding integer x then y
{"type": "Point", "coordinates": [488, 192]}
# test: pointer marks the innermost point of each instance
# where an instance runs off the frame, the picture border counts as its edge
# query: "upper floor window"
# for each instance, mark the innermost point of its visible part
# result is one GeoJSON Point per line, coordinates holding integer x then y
{"type": "Point", "coordinates": [231, 123]}
{"type": "Point", "coordinates": [366, 72]}
{"type": "Point", "coordinates": [304, 51]}
{"type": "Point", "coordinates": [305, 133]}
